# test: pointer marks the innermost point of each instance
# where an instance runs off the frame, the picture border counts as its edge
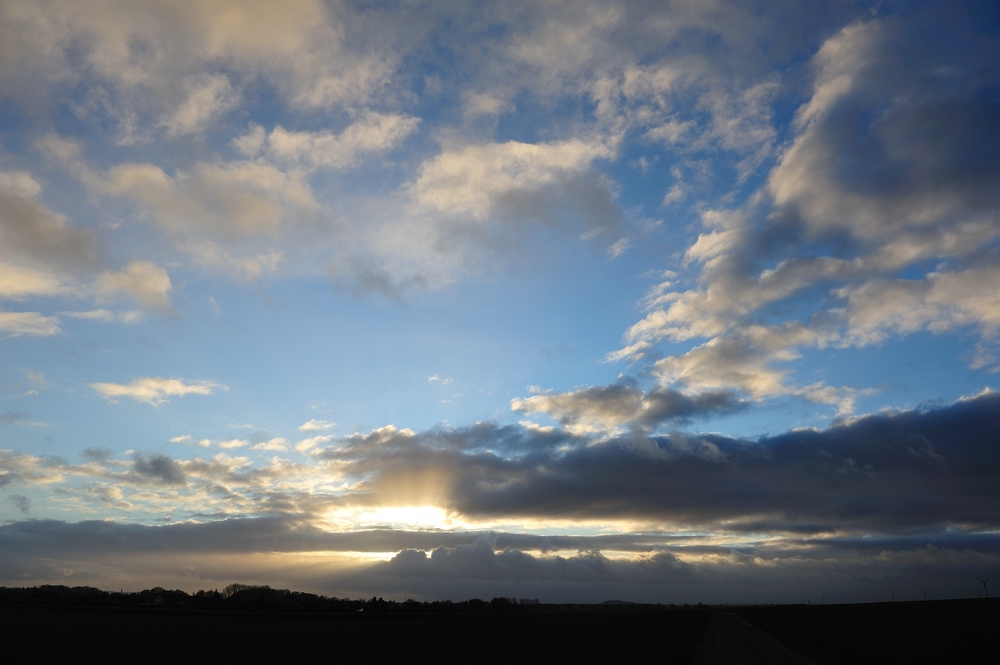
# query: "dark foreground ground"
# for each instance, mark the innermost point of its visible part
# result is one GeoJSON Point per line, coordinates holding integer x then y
{"type": "Point", "coordinates": [965, 631]}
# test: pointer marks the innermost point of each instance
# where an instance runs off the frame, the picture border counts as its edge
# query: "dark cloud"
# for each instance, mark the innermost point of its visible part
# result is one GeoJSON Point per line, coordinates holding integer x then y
{"type": "Point", "coordinates": [20, 502]}
{"type": "Point", "coordinates": [159, 468]}
{"type": "Point", "coordinates": [446, 564]}
{"type": "Point", "coordinates": [32, 232]}
{"type": "Point", "coordinates": [97, 454]}
{"type": "Point", "coordinates": [625, 403]}
{"type": "Point", "coordinates": [13, 417]}
{"type": "Point", "coordinates": [889, 472]}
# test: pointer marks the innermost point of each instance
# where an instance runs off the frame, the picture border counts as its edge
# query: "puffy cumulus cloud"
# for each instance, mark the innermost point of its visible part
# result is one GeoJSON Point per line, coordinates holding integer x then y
{"type": "Point", "coordinates": [926, 158]}
{"type": "Point", "coordinates": [315, 425]}
{"type": "Point", "coordinates": [15, 324]}
{"type": "Point", "coordinates": [144, 282]}
{"type": "Point", "coordinates": [41, 255]}
{"type": "Point", "coordinates": [156, 390]}
{"type": "Point", "coordinates": [17, 468]}
{"type": "Point", "coordinates": [891, 170]}
{"type": "Point", "coordinates": [311, 442]}
{"type": "Point", "coordinates": [743, 360]}
{"type": "Point", "coordinates": [34, 234]}
{"type": "Point", "coordinates": [626, 404]}
{"type": "Point", "coordinates": [939, 302]}
{"type": "Point", "coordinates": [219, 213]}
{"type": "Point", "coordinates": [20, 282]}
{"type": "Point", "coordinates": [303, 50]}
{"type": "Point", "coordinates": [208, 95]}
{"type": "Point", "coordinates": [274, 444]}
{"type": "Point", "coordinates": [373, 133]}
{"type": "Point", "coordinates": [477, 181]}
{"type": "Point", "coordinates": [486, 195]}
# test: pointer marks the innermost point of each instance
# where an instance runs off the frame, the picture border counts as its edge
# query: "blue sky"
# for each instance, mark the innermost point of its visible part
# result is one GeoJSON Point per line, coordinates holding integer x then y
{"type": "Point", "coordinates": [459, 298]}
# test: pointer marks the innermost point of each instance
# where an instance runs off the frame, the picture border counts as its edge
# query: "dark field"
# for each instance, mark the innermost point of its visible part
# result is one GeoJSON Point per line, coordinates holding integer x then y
{"type": "Point", "coordinates": [946, 631]}
{"type": "Point", "coordinates": [915, 632]}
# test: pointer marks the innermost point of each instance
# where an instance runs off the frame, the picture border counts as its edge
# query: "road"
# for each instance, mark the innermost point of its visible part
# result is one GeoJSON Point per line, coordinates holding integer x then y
{"type": "Point", "coordinates": [729, 640]}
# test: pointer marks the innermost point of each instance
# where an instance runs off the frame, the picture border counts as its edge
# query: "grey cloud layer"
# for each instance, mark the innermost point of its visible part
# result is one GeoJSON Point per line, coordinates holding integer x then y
{"type": "Point", "coordinates": [463, 565]}
{"type": "Point", "coordinates": [886, 472]}
{"type": "Point", "coordinates": [892, 473]}
{"type": "Point", "coordinates": [894, 496]}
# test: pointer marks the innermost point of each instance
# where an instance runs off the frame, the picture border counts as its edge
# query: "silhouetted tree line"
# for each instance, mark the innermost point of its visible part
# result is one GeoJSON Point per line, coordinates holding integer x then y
{"type": "Point", "coordinates": [247, 597]}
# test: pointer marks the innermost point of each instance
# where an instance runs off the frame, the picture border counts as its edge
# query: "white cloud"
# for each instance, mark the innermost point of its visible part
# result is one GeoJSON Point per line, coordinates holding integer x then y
{"type": "Point", "coordinates": [38, 241]}
{"type": "Point", "coordinates": [316, 426]}
{"type": "Point", "coordinates": [310, 443]}
{"type": "Point", "coordinates": [373, 133]}
{"type": "Point", "coordinates": [939, 302]}
{"type": "Point", "coordinates": [233, 443]}
{"type": "Point", "coordinates": [183, 438]}
{"type": "Point", "coordinates": [19, 282]}
{"type": "Point", "coordinates": [156, 390]}
{"type": "Point", "coordinates": [208, 95]}
{"type": "Point", "coordinates": [277, 444]}
{"type": "Point", "coordinates": [144, 282]}
{"type": "Point", "coordinates": [301, 48]}
{"type": "Point", "coordinates": [15, 324]}
{"type": "Point", "coordinates": [475, 181]}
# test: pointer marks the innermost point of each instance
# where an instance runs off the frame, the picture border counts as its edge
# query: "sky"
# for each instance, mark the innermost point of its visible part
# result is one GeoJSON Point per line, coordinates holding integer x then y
{"type": "Point", "coordinates": [673, 301]}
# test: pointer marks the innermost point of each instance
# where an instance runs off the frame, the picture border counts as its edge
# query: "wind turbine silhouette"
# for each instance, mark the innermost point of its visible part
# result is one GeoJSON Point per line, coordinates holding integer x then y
{"type": "Point", "coordinates": [984, 585]}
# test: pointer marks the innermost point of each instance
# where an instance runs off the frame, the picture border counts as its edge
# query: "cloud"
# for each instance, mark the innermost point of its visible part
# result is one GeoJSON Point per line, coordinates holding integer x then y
{"type": "Point", "coordinates": [879, 488]}
{"type": "Point", "coordinates": [19, 282]}
{"type": "Point", "coordinates": [218, 213]}
{"type": "Point", "coordinates": [460, 566]}
{"type": "Point", "coordinates": [308, 444]}
{"type": "Point", "coordinates": [374, 133]}
{"type": "Point", "coordinates": [626, 404]}
{"type": "Point", "coordinates": [13, 417]}
{"type": "Point", "coordinates": [20, 502]}
{"type": "Point", "coordinates": [156, 390]}
{"type": "Point", "coordinates": [484, 104]}
{"type": "Point", "coordinates": [97, 454]}
{"type": "Point", "coordinates": [144, 282]}
{"type": "Point", "coordinates": [18, 468]}
{"type": "Point", "coordinates": [939, 302]}
{"type": "Point", "coordinates": [15, 324]}
{"type": "Point", "coordinates": [33, 233]}
{"type": "Point", "coordinates": [208, 95]}
{"type": "Point", "coordinates": [316, 426]}
{"type": "Point", "coordinates": [887, 174]}
{"type": "Point", "coordinates": [107, 316]}
{"type": "Point", "coordinates": [158, 468]}
{"type": "Point", "coordinates": [233, 443]}
{"type": "Point", "coordinates": [477, 181]}
{"type": "Point", "coordinates": [885, 473]}
{"type": "Point", "coordinates": [276, 444]}
{"type": "Point", "coordinates": [302, 51]}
